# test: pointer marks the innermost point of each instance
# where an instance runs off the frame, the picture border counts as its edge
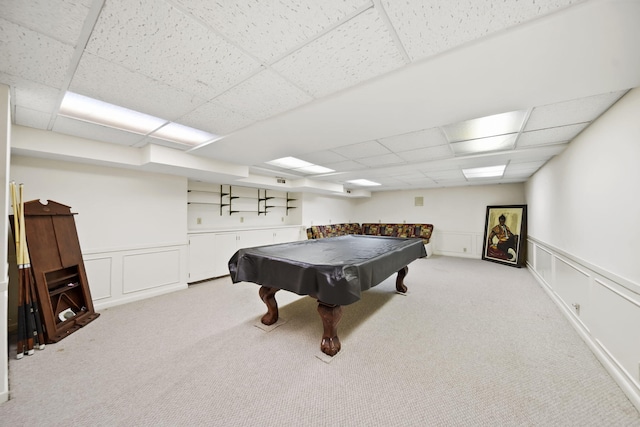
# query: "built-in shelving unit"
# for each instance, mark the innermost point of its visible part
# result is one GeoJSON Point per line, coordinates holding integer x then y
{"type": "Point", "coordinates": [229, 200]}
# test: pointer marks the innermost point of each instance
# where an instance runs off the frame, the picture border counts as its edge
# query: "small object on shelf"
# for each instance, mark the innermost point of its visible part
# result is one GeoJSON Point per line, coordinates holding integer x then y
{"type": "Point", "coordinates": [66, 314]}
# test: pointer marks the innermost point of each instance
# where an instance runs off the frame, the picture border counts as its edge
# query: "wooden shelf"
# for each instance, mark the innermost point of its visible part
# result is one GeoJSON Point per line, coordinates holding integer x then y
{"type": "Point", "coordinates": [232, 200]}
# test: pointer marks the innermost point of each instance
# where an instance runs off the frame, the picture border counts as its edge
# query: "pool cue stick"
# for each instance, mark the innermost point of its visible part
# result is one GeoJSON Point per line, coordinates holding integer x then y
{"type": "Point", "coordinates": [20, 345]}
{"type": "Point", "coordinates": [26, 278]}
{"type": "Point", "coordinates": [35, 304]}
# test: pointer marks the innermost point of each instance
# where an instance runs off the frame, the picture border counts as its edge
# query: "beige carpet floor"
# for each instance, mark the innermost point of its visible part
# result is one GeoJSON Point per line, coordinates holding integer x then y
{"type": "Point", "coordinates": [473, 343]}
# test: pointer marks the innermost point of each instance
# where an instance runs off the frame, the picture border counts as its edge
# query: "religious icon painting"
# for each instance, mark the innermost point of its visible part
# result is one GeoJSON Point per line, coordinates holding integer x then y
{"type": "Point", "coordinates": [505, 234]}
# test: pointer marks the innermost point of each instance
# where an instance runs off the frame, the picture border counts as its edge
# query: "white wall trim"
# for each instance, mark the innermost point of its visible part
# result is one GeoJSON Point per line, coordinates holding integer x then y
{"type": "Point", "coordinates": [610, 359]}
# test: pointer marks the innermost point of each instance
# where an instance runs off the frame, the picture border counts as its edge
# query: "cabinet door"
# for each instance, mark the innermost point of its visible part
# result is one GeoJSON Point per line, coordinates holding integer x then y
{"type": "Point", "coordinates": [251, 238]}
{"type": "Point", "coordinates": [226, 244]}
{"type": "Point", "coordinates": [201, 257]}
{"type": "Point", "coordinates": [285, 235]}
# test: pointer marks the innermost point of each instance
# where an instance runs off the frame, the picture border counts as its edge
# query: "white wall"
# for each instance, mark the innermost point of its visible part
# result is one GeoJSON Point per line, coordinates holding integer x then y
{"type": "Point", "coordinates": [5, 132]}
{"type": "Point", "coordinates": [586, 200]}
{"type": "Point", "coordinates": [319, 209]}
{"type": "Point", "coordinates": [131, 225]}
{"type": "Point", "coordinates": [458, 214]}
{"type": "Point", "coordinates": [583, 246]}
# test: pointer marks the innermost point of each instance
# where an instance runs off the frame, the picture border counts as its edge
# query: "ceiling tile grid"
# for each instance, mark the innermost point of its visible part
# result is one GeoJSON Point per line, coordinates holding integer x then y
{"type": "Point", "coordinates": [429, 27]}
{"type": "Point", "coordinates": [161, 42]}
{"type": "Point", "coordinates": [239, 67]}
{"type": "Point", "coordinates": [356, 51]}
{"type": "Point", "coordinates": [383, 160]}
{"type": "Point", "coordinates": [125, 88]}
{"type": "Point", "coordinates": [31, 95]}
{"type": "Point", "coordinates": [572, 111]}
{"type": "Point", "coordinates": [427, 154]}
{"type": "Point", "coordinates": [263, 95]}
{"type": "Point", "coordinates": [31, 118]}
{"type": "Point", "coordinates": [32, 55]}
{"type": "Point", "coordinates": [411, 141]}
{"type": "Point", "coordinates": [215, 118]}
{"type": "Point", "coordinates": [550, 135]}
{"type": "Point", "coordinates": [361, 150]}
{"type": "Point", "coordinates": [270, 29]}
{"type": "Point", "coordinates": [59, 20]}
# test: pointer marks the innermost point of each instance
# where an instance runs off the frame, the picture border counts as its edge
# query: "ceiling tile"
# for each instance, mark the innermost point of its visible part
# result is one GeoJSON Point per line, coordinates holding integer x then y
{"type": "Point", "coordinates": [214, 118]}
{"type": "Point", "coordinates": [33, 56]}
{"type": "Point", "coordinates": [550, 135]}
{"type": "Point", "coordinates": [361, 149]}
{"type": "Point", "coordinates": [267, 30]}
{"type": "Point", "coordinates": [31, 95]}
{"type": "Point", "coordinates": [570, 112]}
{"type": "Point", "coordinates": [346, 166]}
{"type": "Point", "coordinates": [356, 51]}
{"type": "Point", "coordinates": [432, 26]}
{"type": "Point", "coordinates": [32, 118]}
{"type": "Point", "coordinates": [323, 157]}
{"type": "Point", "coordinates": [444, 175]}
{"type": "Point", "coordinates": [427, 154]}
{"type": "Point", "coordinates": [414, 140]}
{"type": "Point", "coordinates": [263, 95]}
{"type": "Point", "coordinates": [385, 159]}
{"type": "Point", "coordinates": [112, 83]}
{"type": "Point", "coordinates": [161, 42]}
{"type": "Point", "coordinates": [94, 131]}
{"type": "Point", "coordinates": [61, 20]}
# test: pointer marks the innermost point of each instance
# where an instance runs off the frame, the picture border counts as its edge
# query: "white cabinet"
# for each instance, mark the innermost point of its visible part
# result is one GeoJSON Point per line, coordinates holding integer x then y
{"type": "Point", "coordinates": [210, 252]}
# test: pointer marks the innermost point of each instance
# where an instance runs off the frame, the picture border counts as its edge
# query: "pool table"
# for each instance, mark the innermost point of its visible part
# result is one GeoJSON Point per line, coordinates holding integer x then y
{"type": "Point", "coordinates": [334, 270]}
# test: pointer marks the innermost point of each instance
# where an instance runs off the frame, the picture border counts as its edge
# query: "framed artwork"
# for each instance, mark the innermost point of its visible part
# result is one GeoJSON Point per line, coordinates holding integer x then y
{"type": "Point", "coordinates": [505, 234]}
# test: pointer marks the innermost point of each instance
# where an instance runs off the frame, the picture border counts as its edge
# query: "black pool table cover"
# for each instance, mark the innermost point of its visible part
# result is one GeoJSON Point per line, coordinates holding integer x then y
{"type": "Point", "coordinates": [335, 270]}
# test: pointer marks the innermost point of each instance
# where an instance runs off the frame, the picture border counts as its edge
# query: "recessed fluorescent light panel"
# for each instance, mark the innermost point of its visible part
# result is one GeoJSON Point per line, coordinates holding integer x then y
{"type": "Point", "coordinates": [91, 110]}
{"type": "Point", "coordinates": [298, 165]}
{"type": "Point", "coordinates": [483, 145]}
{"type": "Point", "coordinates": [363, 182]}
{"type": "Point", "coordinates": [485, 172]}
{"type": "Point", "coordinates": [484, 134]}
{"type": "Point", "coordinates": [498, 124]}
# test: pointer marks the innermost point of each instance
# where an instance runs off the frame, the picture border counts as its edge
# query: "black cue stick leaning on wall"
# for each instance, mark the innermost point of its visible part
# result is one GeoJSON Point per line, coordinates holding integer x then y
{"type": "Point", "coordinates": [34, 323]}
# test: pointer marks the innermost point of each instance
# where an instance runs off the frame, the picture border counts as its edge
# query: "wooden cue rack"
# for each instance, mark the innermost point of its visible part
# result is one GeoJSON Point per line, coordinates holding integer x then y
{"type": "Point", "coordinates": [58, 269]}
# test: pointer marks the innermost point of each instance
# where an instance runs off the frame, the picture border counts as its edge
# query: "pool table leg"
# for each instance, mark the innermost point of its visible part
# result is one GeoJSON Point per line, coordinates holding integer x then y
{"type": "Point", "coordinates": [400, 287]}
{"type": "Point", "coordinates": [330, 315]}
{"type": "Point", "coordinates": [268, 296]}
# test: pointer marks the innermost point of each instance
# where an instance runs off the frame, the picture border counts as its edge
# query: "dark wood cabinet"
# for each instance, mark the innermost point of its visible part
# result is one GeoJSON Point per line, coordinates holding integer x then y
{"type": "Point", "coordinates": [58, 269]}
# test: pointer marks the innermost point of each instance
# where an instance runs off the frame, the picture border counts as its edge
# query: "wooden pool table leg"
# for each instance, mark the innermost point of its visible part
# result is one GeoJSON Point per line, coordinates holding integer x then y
{"type": "Point", "coordinates": [400, 287]}
{"type": "Point", "coordinates": [330, 315]}
{"type": "Point", "coordinates": [268, 296]}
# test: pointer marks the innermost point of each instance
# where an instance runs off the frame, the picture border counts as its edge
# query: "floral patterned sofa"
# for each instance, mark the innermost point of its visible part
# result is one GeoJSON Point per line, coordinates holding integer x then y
{"type": "Point", "coordinates": [422, 231]}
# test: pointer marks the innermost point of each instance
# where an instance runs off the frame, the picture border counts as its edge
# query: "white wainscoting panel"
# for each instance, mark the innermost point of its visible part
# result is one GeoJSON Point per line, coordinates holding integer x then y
{"type": "Point", "coordinates": [122, 275]}
{"type": "Point", "coordinates": [150, 270]}
{"type": "Point", "coordinates": [617, 326]}
{"type": "Point", "coordinates": [99, 277]}
{"type": "Point", "coordinates": [572, 286]}
{"type": "Point", "coordinates": [454, 243]}
{"type": "Point", "coordinates": [544, 264]}
{"type": "Point", "coordinates": [608, 318]}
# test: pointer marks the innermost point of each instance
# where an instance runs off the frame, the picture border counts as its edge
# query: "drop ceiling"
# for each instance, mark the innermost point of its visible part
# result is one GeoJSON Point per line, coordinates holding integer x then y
{"type": "Point", "coordinates": [373, 90]}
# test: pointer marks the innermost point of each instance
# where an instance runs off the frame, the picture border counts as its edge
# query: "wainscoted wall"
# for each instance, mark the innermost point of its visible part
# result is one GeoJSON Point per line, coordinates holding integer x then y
{"type": "Point", "coordinates": [125, 275]}
{"type": "Point", "coordinates": [603, 308]}
{"type": "Point", "coordinates": [459, 244]}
